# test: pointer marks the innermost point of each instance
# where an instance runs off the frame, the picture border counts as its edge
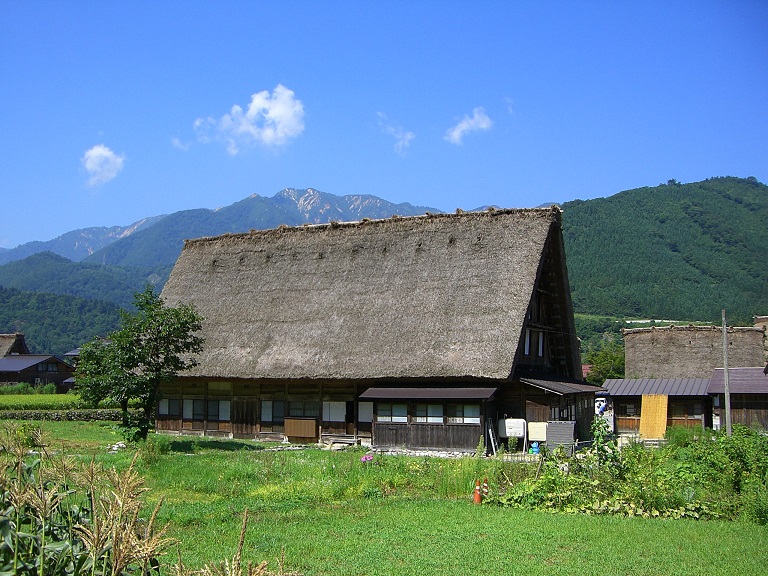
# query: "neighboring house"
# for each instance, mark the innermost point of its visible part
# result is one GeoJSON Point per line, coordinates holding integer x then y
{"type": "Point", "coordinates": [420, 332]}
{"type": "Point", "coordinates": [670, 367]}
{"type": "Point", "coordinates": [17, 365]}
{"type": "Point", "coordinates": [687, 399]}
{"type": "Point", "coordinates": [35, 369]}
{"type": "Point", "coordinates": [748, 389]}
{"type": "Point", "coordinates": [692, 402]}
{"type": "Point", "coordinates": [13, 344]}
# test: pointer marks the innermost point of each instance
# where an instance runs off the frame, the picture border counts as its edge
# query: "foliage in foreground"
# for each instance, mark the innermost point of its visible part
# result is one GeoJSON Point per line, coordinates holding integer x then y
{"type": "Point", "coordinates": [59, 516]}
{"type": "Point", "coordinates": [710, 475]}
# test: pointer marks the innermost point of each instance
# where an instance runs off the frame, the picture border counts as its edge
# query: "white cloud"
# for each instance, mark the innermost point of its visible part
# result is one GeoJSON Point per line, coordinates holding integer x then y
{"type": "Point", "coordinates": [177, 143]}
{"type": "Point", "coordinates": [101, 164]}
{"type": "Point", "coordinates": [402, 137]}
{"type": "Point", "coordinates": [270, 120]}
{"type": "Point", "coordinates": [479, 121]}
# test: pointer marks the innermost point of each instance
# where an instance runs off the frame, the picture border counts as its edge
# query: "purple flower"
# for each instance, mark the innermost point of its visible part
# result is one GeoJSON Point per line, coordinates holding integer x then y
{"type": "Point", "coordinates": [366, 458]}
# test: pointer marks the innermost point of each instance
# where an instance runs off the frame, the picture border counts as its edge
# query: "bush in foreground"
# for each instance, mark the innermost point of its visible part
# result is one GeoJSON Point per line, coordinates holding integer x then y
{"type": "Point", "coordinates": [704, 476]}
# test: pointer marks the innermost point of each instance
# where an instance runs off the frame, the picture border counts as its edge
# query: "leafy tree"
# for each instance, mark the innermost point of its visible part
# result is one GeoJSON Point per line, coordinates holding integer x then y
{"type": "Point", "coordinates": [607, 362]}
{"type": "Point", "coordinates": [152, 346]}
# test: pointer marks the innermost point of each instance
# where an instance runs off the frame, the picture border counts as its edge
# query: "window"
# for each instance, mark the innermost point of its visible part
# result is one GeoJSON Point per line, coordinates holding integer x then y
{"type": "Point", "coordinates": [218, 410]}
{"type": "Point", "coordinates": [169, 407]}
{"type": "Point", "coordinates": [627, 410]}
{"type": "Point", "coordinates": [334, 411]}
{"type": "Point", "coordinates": [193, 409]}
{"type": "Point", "coordinates": [47, 367]}
{"type": "Point", "coordinates": [386, 412]}
{"type": "Point", "coordinates": [541, 344]}
{"type": "Point", "coordinates": [463, 413]}
{"type": "Point", "coordinates": [365, 412]}
{"type": "Point", "coordinates": [273, 411]}
{"type": "Point", "coordinates": [309, 409]}
{"type": "Point", "coordinates": [527, 349]}
{"type": "Point", "coordinates": [431, 413]}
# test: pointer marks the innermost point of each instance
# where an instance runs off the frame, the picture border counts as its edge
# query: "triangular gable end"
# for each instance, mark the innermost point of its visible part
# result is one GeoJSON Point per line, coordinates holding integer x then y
{"type": "Point", "coordinates": [11, 344]}
{"type": "Point", "coordinates": [548, 341]}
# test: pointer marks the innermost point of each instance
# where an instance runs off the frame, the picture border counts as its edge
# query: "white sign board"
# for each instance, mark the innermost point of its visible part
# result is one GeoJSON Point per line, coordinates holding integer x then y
{"type": "Point", "coordinates": [512, 428]}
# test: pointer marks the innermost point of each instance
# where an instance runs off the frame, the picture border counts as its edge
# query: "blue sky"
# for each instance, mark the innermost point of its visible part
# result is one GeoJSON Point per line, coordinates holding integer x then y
{"type": "Point", "coordinates": [113, 111]}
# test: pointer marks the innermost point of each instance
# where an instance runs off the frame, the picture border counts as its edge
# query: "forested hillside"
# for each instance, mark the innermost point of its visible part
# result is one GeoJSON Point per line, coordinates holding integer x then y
{"type": "Point", "coordinates": [55, 324]}
{"type": "Point", "coordinates": [675, 251]}
{"type": "Point", "coordinates": [50, 273]}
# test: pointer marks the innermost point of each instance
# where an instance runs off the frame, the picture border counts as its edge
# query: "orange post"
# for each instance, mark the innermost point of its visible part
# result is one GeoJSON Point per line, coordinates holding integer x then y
{"type": "Point", "coordinates": [477, 498]}
{"type": "Point", "coordinates": [485, 488]}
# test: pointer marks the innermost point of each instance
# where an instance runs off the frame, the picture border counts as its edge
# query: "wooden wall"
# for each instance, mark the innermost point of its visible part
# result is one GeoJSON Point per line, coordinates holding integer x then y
{"type": "Point", "coordinates": [459, 437]}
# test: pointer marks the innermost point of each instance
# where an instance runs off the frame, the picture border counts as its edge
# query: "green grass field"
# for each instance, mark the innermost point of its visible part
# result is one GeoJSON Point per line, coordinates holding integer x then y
{"type": "Point", "coordinates": [39, 401]}
{"type": "Point", "coordinates": [329, 513]}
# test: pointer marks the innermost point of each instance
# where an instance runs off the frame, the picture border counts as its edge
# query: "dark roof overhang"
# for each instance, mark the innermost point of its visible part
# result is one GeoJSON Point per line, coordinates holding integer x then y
{"type": "Point", "coordinates": [381, 393]}
{"type": "Point", "coordinates": [740, 381]}
{"type": "Point", "coordinates": [562, 388]}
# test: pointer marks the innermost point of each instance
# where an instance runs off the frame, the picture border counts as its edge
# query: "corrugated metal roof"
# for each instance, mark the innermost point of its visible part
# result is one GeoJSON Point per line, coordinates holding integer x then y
{"type": "Point", "coordinates": [17, 363]}
{"type": "Point", "coordinates": [562, 388]}
{"type": "Point", "coordinates": [740, 381]}
{"type": "Point", "coordinates": [662, 386]}
{"type": "Point", "coordinates": [428, 393]}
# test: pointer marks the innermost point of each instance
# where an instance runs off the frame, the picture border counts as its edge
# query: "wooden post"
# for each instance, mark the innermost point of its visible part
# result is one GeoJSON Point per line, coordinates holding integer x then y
{"type": "Point", "coordinates": [727, 391]}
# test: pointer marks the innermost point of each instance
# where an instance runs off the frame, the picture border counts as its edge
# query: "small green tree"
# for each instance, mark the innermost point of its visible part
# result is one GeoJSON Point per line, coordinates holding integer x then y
{"type": "Point", "coordinates": [607, 362]}
{"type": "Point", "coordinates": [152, 346]}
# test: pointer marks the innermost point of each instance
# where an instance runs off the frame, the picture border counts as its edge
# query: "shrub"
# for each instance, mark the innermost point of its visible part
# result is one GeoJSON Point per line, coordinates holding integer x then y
{"type": "Point", "coordinates": [697, 475]}
{"type": "Point", "coordinates": [14, 389]}
{"type": "Point", "coordinates": [153, 447]}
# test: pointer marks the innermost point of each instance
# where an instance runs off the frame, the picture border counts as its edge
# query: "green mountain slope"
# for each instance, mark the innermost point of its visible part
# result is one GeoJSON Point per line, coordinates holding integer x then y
{"type": "Point", "coordinates": [676, 251]}
{"type": "Point", "coordinates": [52, 323]}
{"type": "Point", "coordinates": [49, 273]}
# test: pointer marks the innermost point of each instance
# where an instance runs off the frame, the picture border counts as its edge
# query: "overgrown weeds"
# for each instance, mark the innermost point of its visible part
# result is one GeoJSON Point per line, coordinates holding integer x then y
{"type": "Point", "coordinates": [703, 475]}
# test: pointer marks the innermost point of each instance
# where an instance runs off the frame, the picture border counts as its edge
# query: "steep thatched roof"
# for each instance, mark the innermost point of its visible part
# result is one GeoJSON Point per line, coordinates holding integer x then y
{"type": "Point", "coordinates": [430, 296]}
{"type": "Point", "coordinates": [13, 344]}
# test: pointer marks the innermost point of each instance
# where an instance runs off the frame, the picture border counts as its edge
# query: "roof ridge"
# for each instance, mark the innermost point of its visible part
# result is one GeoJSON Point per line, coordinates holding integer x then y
{"type": "Point", "coordinates": [552, 213]}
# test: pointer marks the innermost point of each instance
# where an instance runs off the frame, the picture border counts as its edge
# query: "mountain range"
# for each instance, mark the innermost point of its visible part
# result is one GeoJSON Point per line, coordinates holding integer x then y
{"type": "Point", "coordinates": [682, 251]}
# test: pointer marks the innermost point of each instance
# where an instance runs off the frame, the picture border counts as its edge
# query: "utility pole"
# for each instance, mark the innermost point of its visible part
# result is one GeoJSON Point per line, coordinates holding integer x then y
{"type": "Point", "coordinates": [725, 379]}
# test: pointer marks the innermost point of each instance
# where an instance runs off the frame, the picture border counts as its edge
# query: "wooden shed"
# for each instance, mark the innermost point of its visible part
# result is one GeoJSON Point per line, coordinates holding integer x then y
{"type": "Point", "coordinates": [353, 329]}
{"type": "Point", "coordinates": [749, 395]}
{"type": "Point", "coordinates": [688, 402]}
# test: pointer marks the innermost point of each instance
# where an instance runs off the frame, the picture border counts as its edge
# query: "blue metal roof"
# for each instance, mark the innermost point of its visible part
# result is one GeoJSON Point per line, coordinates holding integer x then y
{"type": "Point", "coordinates": [740, 381]}
{"type": "Point", "coordinates": [17, 363]}
{"type": "Point", "coordinates": [661, 386]}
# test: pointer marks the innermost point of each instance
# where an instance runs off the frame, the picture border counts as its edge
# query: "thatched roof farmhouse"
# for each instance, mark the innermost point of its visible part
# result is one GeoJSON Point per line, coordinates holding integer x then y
{"type": "Point", "coordinates": [13, 344]}
{"type": "Point", "coordinates": [299, 322]}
